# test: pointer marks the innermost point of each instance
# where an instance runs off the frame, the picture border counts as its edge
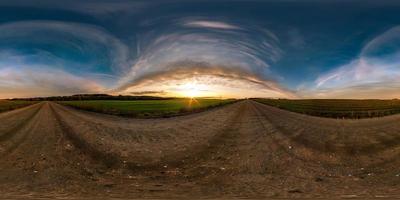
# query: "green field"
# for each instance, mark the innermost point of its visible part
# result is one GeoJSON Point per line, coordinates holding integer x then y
{"type": "Point", "coordinates": [6, 105]}
{"type": "Point", "coordinates": [147, 108]}
{"type": "Point", "coordinates": [337, 108]}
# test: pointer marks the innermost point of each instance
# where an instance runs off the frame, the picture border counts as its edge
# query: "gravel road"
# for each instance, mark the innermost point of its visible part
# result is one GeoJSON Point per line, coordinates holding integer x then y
{"type": "Point", "coordinates": [242, 150]}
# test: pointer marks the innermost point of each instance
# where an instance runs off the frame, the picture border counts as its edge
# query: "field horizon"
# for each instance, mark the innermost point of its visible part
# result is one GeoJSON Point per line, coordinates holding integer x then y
{"type": "Point", "coordinates": [159, 107]}
{"type": "Point", "coordinates": [92, 96]}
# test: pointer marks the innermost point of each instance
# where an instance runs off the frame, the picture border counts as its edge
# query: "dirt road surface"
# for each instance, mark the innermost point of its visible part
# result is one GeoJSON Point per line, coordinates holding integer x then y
{"type": "Point", "coordinates": [242, 150]}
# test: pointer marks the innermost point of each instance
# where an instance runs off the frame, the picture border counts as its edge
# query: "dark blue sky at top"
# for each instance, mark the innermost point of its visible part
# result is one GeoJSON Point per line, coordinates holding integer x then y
{"type": "Point", "coordinates": [315, 37]}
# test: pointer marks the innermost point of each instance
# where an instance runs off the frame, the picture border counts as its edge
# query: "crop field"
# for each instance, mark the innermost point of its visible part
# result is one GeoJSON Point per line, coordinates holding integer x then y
{"type": "Point", "coordinates": [337, 108]}
{"type": "Point", "coordinates": [6, 105]}
{"type": "Point", "coordinates": [147, 108]}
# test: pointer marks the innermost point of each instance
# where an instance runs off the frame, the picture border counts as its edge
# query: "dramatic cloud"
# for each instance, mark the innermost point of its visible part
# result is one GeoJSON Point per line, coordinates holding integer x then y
{"type": "Point", "coordinates": [244, 49]}
{"type": "Point", "coordinates": [386, 44]}
{"type": "Point", "coordinates": [220, 54]}
{"type": "Point", "coordinates": [69, 42]}
{"type": "Point", "coordinates": [211, 24]}
{"type": "Point", "coordinates": [54, 57]}
{"type": "Point", "coordinates": [26, 82]}
{"type": "Point", "coordinates": [161, 92]}
{"type": "Point", "coordinates": [376, 71]}
{"type": "Point", "coordinates": [229, 78]}
{"type": "Point", "coordinates": [193, 47]}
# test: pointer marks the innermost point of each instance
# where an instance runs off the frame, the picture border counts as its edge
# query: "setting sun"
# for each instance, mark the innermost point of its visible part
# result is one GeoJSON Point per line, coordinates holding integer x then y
{"type": "Point", "coordinates": [192, 89]}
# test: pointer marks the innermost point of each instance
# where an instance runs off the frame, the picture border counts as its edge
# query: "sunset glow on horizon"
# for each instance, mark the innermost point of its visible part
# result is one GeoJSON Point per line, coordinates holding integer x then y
{"type": "Point", "coordinates": [200, 49]}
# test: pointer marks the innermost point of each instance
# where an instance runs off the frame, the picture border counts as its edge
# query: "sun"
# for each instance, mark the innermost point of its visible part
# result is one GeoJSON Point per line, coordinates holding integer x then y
{"type": "Point", "coordinates": [192, 89]}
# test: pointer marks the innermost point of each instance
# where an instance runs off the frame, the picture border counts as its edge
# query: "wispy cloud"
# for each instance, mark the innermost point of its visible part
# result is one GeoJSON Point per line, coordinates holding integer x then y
{"type": "Point", "coordinates": [54, 58]}
{"type": "Point", "coordinates": [149, 92]}
{"type": "Point", "coordinates": [219, 53]}
{"type": "Point", "coordinates": [241, 54]}
{"type": "Point", "coordinates": [209, 74]}
{"type": "Point", "coordinates": [386, 44]}
{"type": "Point", "coordinates": [210, 24]}
{"type": "Point", "coordinates": [375, 71]}
{"type": "Point", "coordinates": [28, 82]}
{"type": "Point", "coordinates": [84, 39]}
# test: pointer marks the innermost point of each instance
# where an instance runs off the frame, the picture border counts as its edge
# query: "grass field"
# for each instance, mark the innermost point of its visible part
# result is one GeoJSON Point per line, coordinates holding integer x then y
{"type": "Point", "coordinates": [6, 105]}
{"type": "Point", "coordinates": [147, 108]}
{"type": "Point", "coordinates": [337, 108]}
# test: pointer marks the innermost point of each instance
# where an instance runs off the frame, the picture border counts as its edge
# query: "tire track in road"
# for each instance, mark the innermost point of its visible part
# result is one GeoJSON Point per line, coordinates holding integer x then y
{"type": "Point", "coordinates": [296, 130]}
{"type": "Point", "coordinates": [15, 136]}
{"type": "Point", "coordinates": [114, 159]}
{"type": "Point", "coordinates": [285, 140]}
{"type": "Point", "coordinates": [203, 152]}
{"type": "Point", "coordinates": [374, 171]}
{"type": "Point", "coordinates": [219, 146]}
{"type": "Point", "coordinates": [200, 163]}
{"type": "Point", "coordinates": [32, 111]}
{"type": "Point", "coordinates": [108, 159]}
{"type": "Point", "coordinates": [39, 158]}
{"type": "Point", "coordinates": [282, 149]}
{"type": "Point", "coordinates": [352, 138]}
{"type": "Point", "coordinates": [230, 162]}
{"type": "Point", "coordinates": [358, 143]}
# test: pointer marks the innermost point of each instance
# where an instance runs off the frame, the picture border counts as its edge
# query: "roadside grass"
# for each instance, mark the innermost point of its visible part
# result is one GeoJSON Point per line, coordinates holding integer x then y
{"type": "Point", "coordinates": [6, 105]}
{"type": "Point", "coordinates": [148, 108]}
{"type": "Point", "coordinates": [337, 108]}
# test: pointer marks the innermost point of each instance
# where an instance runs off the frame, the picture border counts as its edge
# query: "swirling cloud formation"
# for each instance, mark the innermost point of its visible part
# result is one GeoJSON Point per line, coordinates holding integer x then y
{"type": "Point", "coordinates": [374, 74]}
{"type": "Point", "coordinates": [189, 49]}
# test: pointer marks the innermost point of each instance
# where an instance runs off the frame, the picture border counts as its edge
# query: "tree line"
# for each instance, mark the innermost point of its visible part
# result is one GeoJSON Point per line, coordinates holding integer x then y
{"type": "Point", "coordinates": [80, 97]}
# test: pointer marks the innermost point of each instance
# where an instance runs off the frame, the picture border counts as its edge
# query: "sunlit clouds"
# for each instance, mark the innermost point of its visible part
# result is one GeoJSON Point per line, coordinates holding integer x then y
{"type": "Point", "coordinates": [225, 62]}
{"type": "Point", "coordinates": [27, 82]}
{"type": "Point", "coordinates": [210, 24]}
{"type": "Point", "coordinates": [207, 81]}
{"type": "Point", "coordinates": [199, 49]}
{"type": "Point", "coordinates": [223, 58]}
{"type": "Point", "coordinates": [43, 58]}
{"type": "Point", "coordinates": [374, 74]}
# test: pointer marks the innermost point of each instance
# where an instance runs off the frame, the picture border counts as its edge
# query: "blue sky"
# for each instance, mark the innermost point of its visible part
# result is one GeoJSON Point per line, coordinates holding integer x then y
{"type": "Point", "coordinates": [292, 49]}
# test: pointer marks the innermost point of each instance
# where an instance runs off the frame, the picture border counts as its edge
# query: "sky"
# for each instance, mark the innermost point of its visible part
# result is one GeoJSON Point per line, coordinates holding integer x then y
{"type": "Point", "coordinates": [201, 48]}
